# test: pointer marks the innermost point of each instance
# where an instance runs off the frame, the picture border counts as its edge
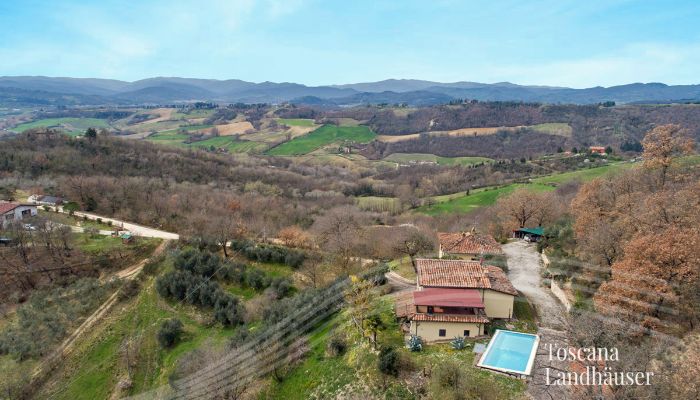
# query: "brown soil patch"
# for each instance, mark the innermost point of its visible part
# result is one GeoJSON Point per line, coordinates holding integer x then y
{"type": "Point", "coordinates": [234, 128]}
{"type": "Point", "coordinates": [164, 114]}
{"type": "Point", "coordinates": [456, 132]}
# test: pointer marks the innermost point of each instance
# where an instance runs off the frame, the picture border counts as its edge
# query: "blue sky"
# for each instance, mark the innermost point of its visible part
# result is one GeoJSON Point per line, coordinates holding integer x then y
{"type": "Point", "coordinates": [553, 42]}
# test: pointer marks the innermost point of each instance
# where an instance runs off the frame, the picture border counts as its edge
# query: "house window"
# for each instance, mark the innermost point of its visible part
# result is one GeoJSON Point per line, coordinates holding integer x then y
{"type": "Point", "coordinates": [431, 309]}
{"type": "Point", "coordinates": [442, 333]}
{"type": "Point", "coordinates": [422, 309]}
{"type": "Point", "coordinates": [9, 217]}
{"type": "Point", "coordinates": [466, 333]}
{"type": "Point", "coordinates": [26, 213]}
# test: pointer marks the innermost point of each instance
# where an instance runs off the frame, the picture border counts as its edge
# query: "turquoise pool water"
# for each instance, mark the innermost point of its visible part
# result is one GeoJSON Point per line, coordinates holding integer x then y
{"type": "Point", "coordinates": [510, 352]}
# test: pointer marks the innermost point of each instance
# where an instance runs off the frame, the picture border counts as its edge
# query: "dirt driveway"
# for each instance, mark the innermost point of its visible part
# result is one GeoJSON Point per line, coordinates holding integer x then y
{"type": "Point", "coordinates": [524, 271]}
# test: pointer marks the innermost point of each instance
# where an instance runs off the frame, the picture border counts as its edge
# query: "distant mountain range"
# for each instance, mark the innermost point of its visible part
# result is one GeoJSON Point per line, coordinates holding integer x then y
{"type": "Point", "coordinates": [47, 91]}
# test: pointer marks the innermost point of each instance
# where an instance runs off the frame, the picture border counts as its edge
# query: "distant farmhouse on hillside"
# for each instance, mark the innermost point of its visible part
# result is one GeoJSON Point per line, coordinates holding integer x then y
{"type": "Point", "coordinates": [11, 212]}
{"type": "Point", "coordinates": [45, 200]}
{"type": "Point", "coordinates": [597, 149]}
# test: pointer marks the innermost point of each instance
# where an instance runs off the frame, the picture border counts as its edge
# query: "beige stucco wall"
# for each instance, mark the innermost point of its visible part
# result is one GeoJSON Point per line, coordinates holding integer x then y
{"type": "Point", "coordinates": [497, 304]}
{"type": "Point", "coordinates": [429, 331]}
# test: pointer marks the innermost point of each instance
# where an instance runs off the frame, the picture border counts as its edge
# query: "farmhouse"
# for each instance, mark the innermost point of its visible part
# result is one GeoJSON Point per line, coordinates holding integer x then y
{"type": "Point", "coordinates": [457, 298]}
{"type": "Point", "coordinates": [467, 245]}
{"type": "Point", "coordinates": [45, 200]}
{"type": "Point", "coordinates": [10, 212]}
{"type": "Point", "coordinates": [597, 149]}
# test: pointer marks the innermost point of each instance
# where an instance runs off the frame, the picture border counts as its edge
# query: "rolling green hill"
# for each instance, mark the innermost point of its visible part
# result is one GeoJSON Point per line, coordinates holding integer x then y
{"type": "Point", "coordinates": [72, 126]}
{"type": "Point", "coordinates": [323, 136]}
{"type": "Point", "coordinates": [461, 203]}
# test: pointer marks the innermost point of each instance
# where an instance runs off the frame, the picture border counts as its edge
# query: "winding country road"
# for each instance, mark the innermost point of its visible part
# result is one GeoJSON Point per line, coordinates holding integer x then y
{"type": "Point", "coordinates": [137, 230]}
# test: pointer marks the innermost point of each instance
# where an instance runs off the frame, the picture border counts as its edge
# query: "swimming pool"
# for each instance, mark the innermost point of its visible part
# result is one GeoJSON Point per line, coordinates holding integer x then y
{"type": "Point", "coordinates": [510, 352]}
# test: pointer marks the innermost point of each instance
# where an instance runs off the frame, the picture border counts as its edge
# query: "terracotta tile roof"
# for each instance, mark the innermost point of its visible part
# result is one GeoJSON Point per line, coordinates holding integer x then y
{"type": "Point", "coordinates": [451, 273]}
{"type": "Point", "coordinates": [468, 243]}
{"type": "Point", "coordinates": [499, 281]}
{"type": "Point", "coordinates": [438, 273]}
{"type": "Point", "coordinates": [7, 207]}
{"type": "Point", "coordinates": [477, 319]}
{"type": "Point", "coordinates": [448, 297]}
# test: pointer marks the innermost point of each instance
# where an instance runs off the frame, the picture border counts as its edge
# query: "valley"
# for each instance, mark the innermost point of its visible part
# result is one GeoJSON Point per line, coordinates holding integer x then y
{"type": "Point", "coordinates": [289, 241]}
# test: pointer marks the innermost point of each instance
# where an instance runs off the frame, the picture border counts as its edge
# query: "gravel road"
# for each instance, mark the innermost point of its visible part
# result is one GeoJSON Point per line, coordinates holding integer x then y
{"type": "Point", "coordinates": [524, 272]}
{"type": "Point", "coordinates": [138, 230]}
{"type": "Point", "coordinates": [524, 269]}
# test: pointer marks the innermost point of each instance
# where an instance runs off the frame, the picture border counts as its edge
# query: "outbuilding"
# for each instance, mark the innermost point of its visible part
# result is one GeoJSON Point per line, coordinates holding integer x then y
{"type": "Point", "coordinates": [11, 212]}
{"type": "Point", "coordinates": [529, 234]}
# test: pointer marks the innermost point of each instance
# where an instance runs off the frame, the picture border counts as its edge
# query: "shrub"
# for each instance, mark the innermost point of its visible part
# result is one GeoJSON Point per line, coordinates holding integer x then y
{"type": "Point", "coordinates": [130, 289]}
{"type": "Point", "coordinates": [198, 262]}
{"type": "Point", "coordinates": [170, 332]}
{"type": "Point", "coordinates": [91, 231]}
{"type": "Point", "coordinates": [452, 380]}
{"type": "Point", "coordinates": [336, 346]}
{"type": "Point", "coordinates": [256, 279]}
{"type": "Point", "coordinates": [281, 287]}
{"type": "Point", "coordinates": [415, 343]}
{"type": "Point", "coordinates": [239, 337]}
{"type": "Point", "coordinates": [458, 343]}
{"type": "Point", "coordinates": [228, 309]}
{"type": "Point", "coordinates": [71, 207]}
{"type": "Point", "coordinates": [232, 272]}
{"type": "Point", "coordinates": [151, 266]}
{"type": "Point", "coordinates": [49, 315]}
{"type": "Point", "coordinates": [268, 254]}
{"type": "Point", "coordinates": [183, 285]}
{"type": "Point", "coordinates": [389, 361]}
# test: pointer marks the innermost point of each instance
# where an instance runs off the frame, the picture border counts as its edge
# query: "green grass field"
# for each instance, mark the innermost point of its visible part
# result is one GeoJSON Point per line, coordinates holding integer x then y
{"type": "Point", "coordinates": [584, 175]}
{"type": "Point", "coordinates": [460, 203]}
{"type": "Point", "coordinates": [229, 143]}
{"type": "Point", "coordinates": [96, 366]}
{"type": "Point", "coordinates": [323, 136]}
{"type": "Point", "coordinates": [323, 376]}
{"type": "Point", "coordinates": [405, 158]}
{"type": "Point", "coordinates": [317, 371]}
{"type": "Point", "coordinates": [295, 121]}
{"type": "Point", "coordinates": [476, 199]}
{"type": "Point", "coordinates": [72, 126]}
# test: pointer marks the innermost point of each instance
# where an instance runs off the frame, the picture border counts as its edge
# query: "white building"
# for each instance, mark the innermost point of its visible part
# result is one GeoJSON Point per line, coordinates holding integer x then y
{"type": "Point", "coordinates": [10, 212]}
